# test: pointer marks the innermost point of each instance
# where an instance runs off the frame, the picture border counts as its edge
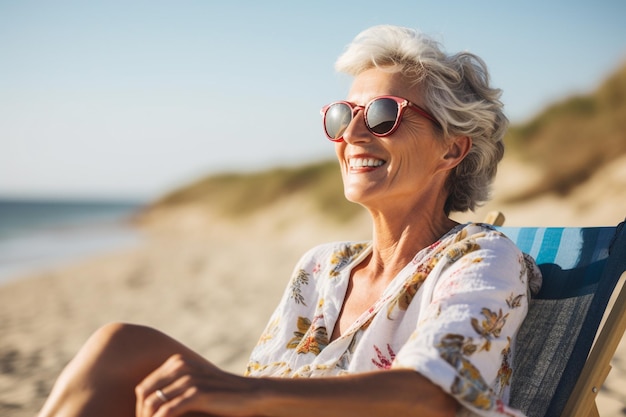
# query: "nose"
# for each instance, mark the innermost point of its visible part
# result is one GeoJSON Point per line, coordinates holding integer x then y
{"type": "Point", "coordinates": [357, 132]}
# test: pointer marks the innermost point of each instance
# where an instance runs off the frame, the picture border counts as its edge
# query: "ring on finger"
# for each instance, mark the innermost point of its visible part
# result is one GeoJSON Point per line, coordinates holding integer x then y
{"type": "Point", "coordinates": [161, 396]}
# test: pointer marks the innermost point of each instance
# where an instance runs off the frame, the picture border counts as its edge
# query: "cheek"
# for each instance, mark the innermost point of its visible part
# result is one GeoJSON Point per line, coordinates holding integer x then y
{"type": "Point", "coordinates": [425, 147]}
{"type": "Point", "coordinates": [339, 150]}
{"type": "Point", "coordinates": [416, 160]}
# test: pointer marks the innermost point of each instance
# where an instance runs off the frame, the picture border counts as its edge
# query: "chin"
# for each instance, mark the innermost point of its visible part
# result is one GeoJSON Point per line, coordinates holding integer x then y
{"type": "Point", "coordinates": [357, 196]}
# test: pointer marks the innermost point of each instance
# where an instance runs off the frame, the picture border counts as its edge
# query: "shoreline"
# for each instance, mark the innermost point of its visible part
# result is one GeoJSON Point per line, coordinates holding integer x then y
{"type": "Point", "coordinates": [57, 247]}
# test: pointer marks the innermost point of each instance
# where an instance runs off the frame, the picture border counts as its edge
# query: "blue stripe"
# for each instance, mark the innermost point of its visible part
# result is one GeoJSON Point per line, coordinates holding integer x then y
{"type": "Point", "coordinates": [546, 247]}
{"type": "Point", "coordinates": [572, 257]}
{"type": "Point", "coordinates": [570, 246]}
{"type": "Point", "coordinates": [525, 239]}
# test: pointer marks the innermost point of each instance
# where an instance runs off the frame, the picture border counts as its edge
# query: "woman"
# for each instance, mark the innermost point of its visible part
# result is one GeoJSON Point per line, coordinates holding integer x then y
{"type": "Point", "coordinates": [419, 321]}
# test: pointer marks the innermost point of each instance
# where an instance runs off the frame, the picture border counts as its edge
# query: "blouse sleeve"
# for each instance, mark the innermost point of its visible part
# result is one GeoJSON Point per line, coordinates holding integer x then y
{"type": "Point", "coordinates": [474, 303]}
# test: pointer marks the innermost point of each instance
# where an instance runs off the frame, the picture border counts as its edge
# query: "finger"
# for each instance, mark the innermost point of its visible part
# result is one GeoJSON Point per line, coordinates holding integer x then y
{"type": "Point", "coordinates": [162, 397]}
{"type": "Point", "coordinates": [166, 401]}
{"type": "Point", "coordinates": [187, 401]}
{"type": "Point", "coordinates": [151, 404]}
{"type": "Point", "coordinates": [193, 395]}
{"type": "Point", "coordinates": [147, 400]}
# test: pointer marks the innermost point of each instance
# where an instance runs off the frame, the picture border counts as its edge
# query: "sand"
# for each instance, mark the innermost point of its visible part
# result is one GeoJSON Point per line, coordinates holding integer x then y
{"type": "Point", "coordinates": [212, 283]}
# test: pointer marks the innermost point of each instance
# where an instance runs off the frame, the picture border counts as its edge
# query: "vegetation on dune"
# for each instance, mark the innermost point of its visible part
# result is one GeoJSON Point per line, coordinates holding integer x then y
{"type": "Point", "coordinates": [571, 139]}
{"type": "Point", "coordinates": [237, 194]}
{"type": "Point", "coordinates": [568, 142]}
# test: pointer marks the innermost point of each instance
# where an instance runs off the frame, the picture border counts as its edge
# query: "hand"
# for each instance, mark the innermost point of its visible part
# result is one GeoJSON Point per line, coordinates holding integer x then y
{"type": "Point", "coordinates": [191, 384]}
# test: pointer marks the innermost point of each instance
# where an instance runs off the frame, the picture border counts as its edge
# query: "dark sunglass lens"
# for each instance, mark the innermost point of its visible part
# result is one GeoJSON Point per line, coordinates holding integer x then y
{"type": "Point", "coordinates": [381, 115]}
{"type": "Point", "coordinates": [338, 117]}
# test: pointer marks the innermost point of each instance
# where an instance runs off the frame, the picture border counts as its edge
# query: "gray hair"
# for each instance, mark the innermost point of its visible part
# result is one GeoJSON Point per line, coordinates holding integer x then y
{"type": "Point", "coordinates": [456, 91]}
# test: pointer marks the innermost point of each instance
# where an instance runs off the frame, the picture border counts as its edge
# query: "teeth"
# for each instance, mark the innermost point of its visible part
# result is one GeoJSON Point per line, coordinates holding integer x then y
{"type": "Point", "coordinates": [365, 162]}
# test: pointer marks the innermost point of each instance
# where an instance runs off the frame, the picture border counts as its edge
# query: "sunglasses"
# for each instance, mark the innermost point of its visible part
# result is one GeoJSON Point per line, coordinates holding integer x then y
{"type": "Point", "coordinates": [382, 116]}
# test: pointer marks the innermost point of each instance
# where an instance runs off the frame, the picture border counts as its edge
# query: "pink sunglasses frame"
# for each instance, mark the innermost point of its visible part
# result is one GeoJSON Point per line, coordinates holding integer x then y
{"type": "Point", "coordinates": [403, 104]}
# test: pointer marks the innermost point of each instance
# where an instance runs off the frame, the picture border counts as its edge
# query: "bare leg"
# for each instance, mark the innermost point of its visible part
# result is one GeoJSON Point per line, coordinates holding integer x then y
{"type": "Point", "coordinates": [101, 379]}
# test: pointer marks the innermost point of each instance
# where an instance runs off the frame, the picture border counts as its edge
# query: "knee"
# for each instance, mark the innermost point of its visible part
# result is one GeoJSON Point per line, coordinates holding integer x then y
{"type": "Point", "coordinates": [120, 339]}
{"type": "Point", "coordinates": [118, 334]}
{"type": "Point", "coordinates": [114, 349]}
{"type": "Point", "coordinates": [111, 357]}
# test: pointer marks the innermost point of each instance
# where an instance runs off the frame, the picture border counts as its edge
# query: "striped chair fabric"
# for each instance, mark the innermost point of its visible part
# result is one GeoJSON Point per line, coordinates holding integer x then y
{"type": "Point", "coordinates": [581, 268]}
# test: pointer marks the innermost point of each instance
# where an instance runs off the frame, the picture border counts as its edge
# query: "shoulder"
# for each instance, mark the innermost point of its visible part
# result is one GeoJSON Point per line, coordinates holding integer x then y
{"type": "Point", "coordinates": [484, 236]}
{"type": "Point", "coordinates": [503, 248]}
{"type": "Point", "coordinates": [476, 246]}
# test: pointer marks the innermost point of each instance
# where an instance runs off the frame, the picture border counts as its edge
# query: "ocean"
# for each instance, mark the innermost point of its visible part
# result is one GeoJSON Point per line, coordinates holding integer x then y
{"type": "Point", "coordinates": [39, 234]}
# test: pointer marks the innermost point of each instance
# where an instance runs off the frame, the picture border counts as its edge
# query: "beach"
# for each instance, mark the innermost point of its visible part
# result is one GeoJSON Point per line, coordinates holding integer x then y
{"type": "Point", "coordinates": [212, 282]}
{"type": "Point", "coordinates": [210, 285]}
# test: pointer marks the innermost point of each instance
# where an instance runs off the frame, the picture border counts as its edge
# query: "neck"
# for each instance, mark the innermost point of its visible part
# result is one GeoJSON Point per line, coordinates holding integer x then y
{"type": "Point", "coordinates": [398, 235]}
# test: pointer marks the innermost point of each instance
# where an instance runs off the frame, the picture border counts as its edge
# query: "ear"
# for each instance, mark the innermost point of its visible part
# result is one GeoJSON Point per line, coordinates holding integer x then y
{"type": "Point", "coordinates": [457, 150]}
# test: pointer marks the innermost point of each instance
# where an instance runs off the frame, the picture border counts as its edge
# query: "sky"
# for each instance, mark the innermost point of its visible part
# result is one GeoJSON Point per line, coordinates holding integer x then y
{"type": "Point", "coordinates": [131, 99]}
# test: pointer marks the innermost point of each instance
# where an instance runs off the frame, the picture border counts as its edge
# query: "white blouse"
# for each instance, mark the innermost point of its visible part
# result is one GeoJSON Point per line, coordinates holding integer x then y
{"type": "Point", "coordinates": [451, 314]}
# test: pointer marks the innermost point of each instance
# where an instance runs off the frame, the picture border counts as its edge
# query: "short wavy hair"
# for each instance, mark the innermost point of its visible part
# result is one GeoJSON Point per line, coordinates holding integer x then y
{"type": "Point", "coordinates": [456, 91]}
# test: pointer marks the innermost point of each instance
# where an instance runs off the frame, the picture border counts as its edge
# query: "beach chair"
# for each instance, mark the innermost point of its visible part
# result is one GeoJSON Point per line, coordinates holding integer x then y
{"type": "Point", "coordinates": [555, 373]}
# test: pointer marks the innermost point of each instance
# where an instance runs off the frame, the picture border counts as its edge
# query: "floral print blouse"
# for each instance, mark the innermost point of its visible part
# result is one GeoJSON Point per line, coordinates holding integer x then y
{"type": "Point", "coordinates": [451, 314]}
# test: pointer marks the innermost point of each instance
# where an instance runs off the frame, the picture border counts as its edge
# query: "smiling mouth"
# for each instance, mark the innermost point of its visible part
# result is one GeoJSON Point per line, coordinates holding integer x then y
{"type": "Point", "coordinates": [365, 162]}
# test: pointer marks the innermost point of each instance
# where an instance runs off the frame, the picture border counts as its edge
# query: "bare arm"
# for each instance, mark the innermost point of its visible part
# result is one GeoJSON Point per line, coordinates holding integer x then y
{"type": "Point", "coordinates": [385, 393]}
{"type": "Point", "coordinates": [201, 387]}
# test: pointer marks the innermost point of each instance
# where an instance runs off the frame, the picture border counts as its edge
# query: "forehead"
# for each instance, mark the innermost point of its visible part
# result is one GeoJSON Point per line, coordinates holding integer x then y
{"type": "Point", "coordinates": [376, 82]}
